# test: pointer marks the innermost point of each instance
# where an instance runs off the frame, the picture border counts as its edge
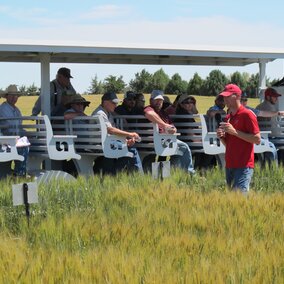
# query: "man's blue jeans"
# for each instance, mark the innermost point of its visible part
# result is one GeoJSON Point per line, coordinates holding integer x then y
{"type": "Point", "coordinates": [185, 160]}
{"type": "Point", "coordinates": [239, 179]}
{"type": "Point", "coordinates": [21, 166]}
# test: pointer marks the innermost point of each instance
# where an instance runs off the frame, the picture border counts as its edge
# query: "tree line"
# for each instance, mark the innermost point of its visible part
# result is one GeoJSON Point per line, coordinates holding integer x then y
{"type": "Point", "coordinates": [145, 82]}
{"type": "Point", "coordinates": [212, 85]}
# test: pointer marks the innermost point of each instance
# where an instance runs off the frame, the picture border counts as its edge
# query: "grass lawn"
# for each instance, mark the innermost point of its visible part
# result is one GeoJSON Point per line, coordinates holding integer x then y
{"type": "Point", "coordinates": [133, 229]}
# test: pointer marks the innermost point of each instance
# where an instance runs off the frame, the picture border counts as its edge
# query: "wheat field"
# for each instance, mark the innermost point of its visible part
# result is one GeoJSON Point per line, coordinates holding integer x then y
{"type": "Point", "coordinates": [133, 229]}
{"type": "Point", "coordinates": [25, 103]}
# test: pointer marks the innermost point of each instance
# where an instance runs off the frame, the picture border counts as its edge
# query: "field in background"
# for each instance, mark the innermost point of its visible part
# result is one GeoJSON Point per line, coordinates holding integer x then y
{"type": "Point", "coordinates": [133, 229]}
{"type": "Point", "coordinates": [203, 103]}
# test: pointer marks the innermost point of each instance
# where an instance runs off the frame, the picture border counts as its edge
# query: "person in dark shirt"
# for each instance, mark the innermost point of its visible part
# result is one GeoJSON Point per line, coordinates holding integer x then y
{"type": "Point", "coordinates": [128, 105]}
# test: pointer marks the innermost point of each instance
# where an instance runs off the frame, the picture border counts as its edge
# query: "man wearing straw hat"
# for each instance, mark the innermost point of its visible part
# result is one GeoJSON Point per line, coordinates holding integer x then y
{"type": "Point", "coordinates": [8, 110]}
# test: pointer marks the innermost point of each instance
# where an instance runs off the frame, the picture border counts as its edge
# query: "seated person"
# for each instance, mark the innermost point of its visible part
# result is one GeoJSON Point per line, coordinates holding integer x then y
{"type": "Point", "coordinates": [105, 110]}
{"type": "Point", "coordinates": [128, 104]}
{"type": "Point", "coordinates": [270, 100]}
{"type": "Point", "coordinates": [156, 114]}
{"type": "Point", "coordinates": [139, 104]}
{"type": "Point", "coordinates": [217, 108]}
{"type": "Point", "coordinates": [13, 127]}
{"type": "Point", "coordinates": [263, 113]}
{"type": "Point", "coordinates": [215, 113]}
{"type": "Point", "coordinates": [187, 106]}
{"type": "Point", "coordinates": [166, 103]}
{"type": "Point", "coordinates": [75, 107]}
{"type": "Point", "coordinates": [171, 109]}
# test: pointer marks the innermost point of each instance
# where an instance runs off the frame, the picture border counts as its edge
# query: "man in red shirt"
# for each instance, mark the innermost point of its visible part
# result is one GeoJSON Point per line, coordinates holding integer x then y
{"type": "Point", "coordinates": [239, 134]}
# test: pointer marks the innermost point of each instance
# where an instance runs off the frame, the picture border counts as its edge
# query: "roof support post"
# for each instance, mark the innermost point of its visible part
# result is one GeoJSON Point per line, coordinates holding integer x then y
{"type": "Point", "coordinates": [262, 75]}
{"type": "Point", "coordinates": [45, 83]}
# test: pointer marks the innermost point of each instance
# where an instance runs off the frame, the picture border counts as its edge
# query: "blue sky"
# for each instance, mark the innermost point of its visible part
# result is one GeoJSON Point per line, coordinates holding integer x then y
{"type": "Point", "coordinates": [180, 23]}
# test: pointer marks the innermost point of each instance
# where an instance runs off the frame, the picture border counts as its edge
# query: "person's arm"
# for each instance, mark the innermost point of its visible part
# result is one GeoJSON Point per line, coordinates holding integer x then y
{"type": "Point", "coordinates": [37, 107]}
{"type": "Point", "coordinates": [71, 115]}
{"type": "Point", "coordinates": [248, 137]}
{"type": "Point", "coordinates": [155, 118]}
{"type": "Point", "coordinates": [119, 132]}
{"type": "Point", "coordinates": [264, 113]}
{"type": "Point", "coordinates": [212, 113]}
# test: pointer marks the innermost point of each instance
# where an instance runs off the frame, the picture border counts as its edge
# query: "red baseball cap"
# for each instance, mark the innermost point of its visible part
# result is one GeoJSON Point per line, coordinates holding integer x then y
{"type": "Point", "coordinates": [231, 89]}
{"type": "Point", "coordinates": [270, 92]}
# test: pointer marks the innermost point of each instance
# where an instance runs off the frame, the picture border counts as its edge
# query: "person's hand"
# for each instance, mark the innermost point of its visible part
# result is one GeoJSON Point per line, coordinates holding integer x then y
{"type": "Point", "coordinates": [130, 142]}
{"type": "Point", "coordinates": [228, 128]}
{"type": "Point", "coordinates": [170, 129]}
{"type": "Point", "coordinates": [220, 133]}
{"type": "Point", "coordinates": [135, 136]}
{"type": "Point", "coordinates": [281, 113]}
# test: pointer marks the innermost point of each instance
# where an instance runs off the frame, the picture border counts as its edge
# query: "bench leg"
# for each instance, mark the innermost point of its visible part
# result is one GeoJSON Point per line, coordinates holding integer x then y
{"type": "Point", "coordinates": [34, 163]}
{"type": "Point", "coordinates": [85, 165]}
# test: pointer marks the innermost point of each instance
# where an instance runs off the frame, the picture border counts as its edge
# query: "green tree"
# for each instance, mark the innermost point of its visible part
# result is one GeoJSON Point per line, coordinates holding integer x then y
{"type": "Point", "coordinates": [252, 87]}
{"type": "Point", "coordinates": [176, 85]}
{"type": "Point", "coordinates": [23, 90]}
{"type": "Point", "coordinates": [141, 82]}
{"type": "Point", "coordinates": [195, 85]}
{"type": "Point", "coordinates": [159, 80]}
{"type": "Point", "coordinates": [240, 80]}
{"type": "Point", "coordinates": [32, 90]}
{"type": "Point", "coordinates": [96, 86]}
{"type": "Point", "coordinates": [114, 84]}
{"type": "Point", "coordinates": [214, 83]}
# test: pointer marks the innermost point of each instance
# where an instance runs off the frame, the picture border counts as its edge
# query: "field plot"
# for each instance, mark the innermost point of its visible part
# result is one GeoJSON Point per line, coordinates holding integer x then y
{"type": "Point", "coordinates": [133, 229]}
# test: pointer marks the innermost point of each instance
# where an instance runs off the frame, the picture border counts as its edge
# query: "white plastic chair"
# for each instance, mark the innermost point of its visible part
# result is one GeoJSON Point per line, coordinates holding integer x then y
{"type": "Point", "coordinates": [59, 147]}
{"type": "Point", "coordinates": [165, 144]}
{"type": "Point", "coordinates": [8, 150]}
{"type": "Point", "coordinates": [113, 146]}
{"type": "Point", "coordinates": [211, 143]}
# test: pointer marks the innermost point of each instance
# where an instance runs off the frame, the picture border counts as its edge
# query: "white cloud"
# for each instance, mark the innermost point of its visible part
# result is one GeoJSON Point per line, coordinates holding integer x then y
{"type": "Point", "coordinates": [175, 33]}
{"type": "Point", "coordinates": [105, 12]}
{"type": "Point", "coordinates": [213, 31]}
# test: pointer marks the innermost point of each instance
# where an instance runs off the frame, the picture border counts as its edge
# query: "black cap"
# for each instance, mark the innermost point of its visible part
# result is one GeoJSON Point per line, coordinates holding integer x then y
{"type": "Point", "coordinates": [64, 72]}
{"type": "Point", "coordinates": [129, 95]}
{"type": "Point", "coordinates": [110, 96]}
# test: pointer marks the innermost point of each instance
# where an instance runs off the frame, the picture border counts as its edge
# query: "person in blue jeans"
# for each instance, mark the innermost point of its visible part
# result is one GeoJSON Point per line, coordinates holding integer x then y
{"type": "Point", "coordinates": [156, 114]}
{"type": "Point", "coordinates": [112, 166]}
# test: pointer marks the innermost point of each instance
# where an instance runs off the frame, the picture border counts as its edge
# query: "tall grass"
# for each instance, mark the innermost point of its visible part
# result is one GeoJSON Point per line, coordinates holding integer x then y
{"type": "Point", "coordinates": [133, 229]}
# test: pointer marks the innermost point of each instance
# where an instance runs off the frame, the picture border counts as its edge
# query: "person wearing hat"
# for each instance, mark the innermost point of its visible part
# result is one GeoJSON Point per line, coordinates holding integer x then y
{"type": "Point", "coordinates": [60, 89]}
{"type": "Point", "coordinates": [218, 108]}
{"type": "Point", "coordinates": [75, 107]}
{"type": "Point", "coordinates": [108, 104]}
{"type": "Point", "coordinates": [260, 115]}
{"type": "Point", "coordinates": [8, 109]}
{"type": "Point", "coordinates": [128, 104]}
{"type": "Point", "coordinates": [239, 134]}
{"type": "Point", "coordinates": [270, 100]}
{"type": "Point", "coordinates": [156, 114]}
{"type": "Point", "coordinates": [186, 105]}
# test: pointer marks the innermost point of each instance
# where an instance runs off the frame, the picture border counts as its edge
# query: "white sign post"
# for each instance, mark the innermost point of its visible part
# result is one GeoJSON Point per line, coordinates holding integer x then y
{"type": "Point", "coordinates": [25, 194]}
